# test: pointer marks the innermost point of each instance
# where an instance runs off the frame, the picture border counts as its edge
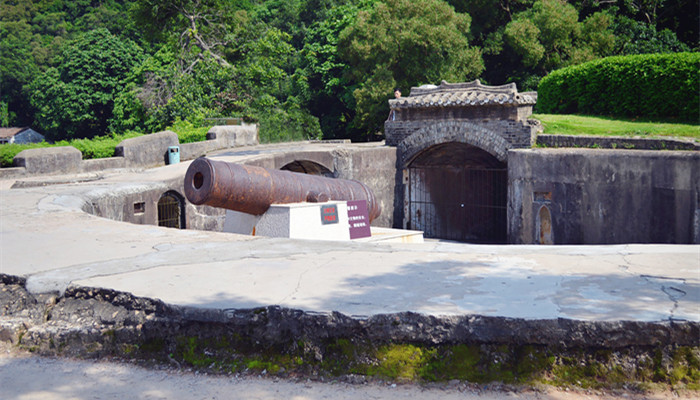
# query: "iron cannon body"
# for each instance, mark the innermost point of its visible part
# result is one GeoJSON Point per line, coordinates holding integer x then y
{"type": "Point", "coordinates": [252, 189]}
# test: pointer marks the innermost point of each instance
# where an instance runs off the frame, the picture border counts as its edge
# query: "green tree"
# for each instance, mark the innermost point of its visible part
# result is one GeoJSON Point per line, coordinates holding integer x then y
{"type": "Point", "coordinates": [549, 36]}
{"type": "Point", "coordinates": [634, 37]}
{"type": "Point", "coordinates": [76, 98]}
{"type": "Point", "coordinates": [404, 43]}
{"type": "Point", "coordinates": [332, 98]}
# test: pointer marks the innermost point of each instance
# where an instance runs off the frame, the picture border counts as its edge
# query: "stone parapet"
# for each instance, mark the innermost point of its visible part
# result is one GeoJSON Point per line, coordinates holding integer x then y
{"type": "Point", "coordinates": [139, 152]}
{"type": "Point", "coordinates": [234, 135]}
{"type": "Point", "coordinates": [148, 150]}
{"type": "Point", "coordinates": [605, 142]}
{"type": "Point", "coordinates": [100, 164]}
{"type": "Point", "coordinates": [49, 160]}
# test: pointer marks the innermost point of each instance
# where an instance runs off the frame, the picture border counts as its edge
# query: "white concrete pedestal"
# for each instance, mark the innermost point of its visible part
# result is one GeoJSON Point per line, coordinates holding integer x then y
{"type": "Point", "coordinates": [304, 221]}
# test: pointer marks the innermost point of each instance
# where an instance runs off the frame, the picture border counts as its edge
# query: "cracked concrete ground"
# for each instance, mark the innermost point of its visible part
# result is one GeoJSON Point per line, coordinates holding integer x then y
{"type": "Point", "coordinates": [46, 238]}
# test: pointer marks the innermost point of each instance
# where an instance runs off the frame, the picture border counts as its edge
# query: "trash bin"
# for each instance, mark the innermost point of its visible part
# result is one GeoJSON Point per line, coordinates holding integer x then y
{"type": "Point", "coordinates": [173, 154]}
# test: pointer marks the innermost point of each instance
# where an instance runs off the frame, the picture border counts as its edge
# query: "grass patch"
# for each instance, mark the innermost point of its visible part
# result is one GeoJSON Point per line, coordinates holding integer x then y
{"type": "Point", "coordinates": [556, 124]}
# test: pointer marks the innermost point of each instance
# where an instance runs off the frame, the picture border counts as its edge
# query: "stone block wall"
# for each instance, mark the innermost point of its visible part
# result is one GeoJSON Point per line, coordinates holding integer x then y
{"type": "Point", "coordinates": [518, 134]}
{"type": "Point", "coordinates": [589, 196]}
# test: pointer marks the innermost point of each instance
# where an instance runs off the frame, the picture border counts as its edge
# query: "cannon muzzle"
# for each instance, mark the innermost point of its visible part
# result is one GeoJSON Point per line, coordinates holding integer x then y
{"type": "Point", "coordinates": [252, 190]}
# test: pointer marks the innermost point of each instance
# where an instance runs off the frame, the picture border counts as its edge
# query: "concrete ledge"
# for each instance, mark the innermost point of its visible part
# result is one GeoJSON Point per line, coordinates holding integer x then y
{"type": "Point", "coordinates": [619, 143]}
{"type": "Point", "coordinates": [234, 135]}
{"type": "Point", "coordinates": [14, 172]}
{"type": "Point", "coordinates": [190, 151]}
{"type": "Point", "coordinates": [275, 325]}
{"type": "Point", "coordinates": [91, 322]}
{"type": "Point", "coordinates": [148, 150]}
{"type": "Point", "coordinates": [100, 164]}
{"type": "Point", "coordinates": [49, 160]}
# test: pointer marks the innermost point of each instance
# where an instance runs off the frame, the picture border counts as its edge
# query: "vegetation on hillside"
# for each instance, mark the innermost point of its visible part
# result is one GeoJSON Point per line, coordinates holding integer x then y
{"type": "Point", "coordinates": [300, 68]}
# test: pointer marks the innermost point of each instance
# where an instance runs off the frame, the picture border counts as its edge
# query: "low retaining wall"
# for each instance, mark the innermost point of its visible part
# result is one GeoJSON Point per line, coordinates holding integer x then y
{"type": "Point", "coordinates": [91, 322]}
{"type": "Point", "coordinates": [139, 152]}
{"type": "Point", "coordinates": [621, 143]}
{"type": "Point", "coordinates": [587, 196]}
{"type": "Point", "coordinates": [148, 150]}
{"type": "Point", "coordinates": [49, 160]}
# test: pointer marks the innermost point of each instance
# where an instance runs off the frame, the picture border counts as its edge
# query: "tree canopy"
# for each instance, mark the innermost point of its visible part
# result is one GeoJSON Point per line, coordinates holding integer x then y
{"type": "Point", "coordinates": [76, 98]}
{"type": "Point", "coordinates": [300, 68]}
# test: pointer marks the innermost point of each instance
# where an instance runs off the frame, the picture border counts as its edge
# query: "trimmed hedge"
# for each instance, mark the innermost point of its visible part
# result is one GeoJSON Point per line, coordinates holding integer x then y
{"type": "Point", "coordinates": [647, 85]}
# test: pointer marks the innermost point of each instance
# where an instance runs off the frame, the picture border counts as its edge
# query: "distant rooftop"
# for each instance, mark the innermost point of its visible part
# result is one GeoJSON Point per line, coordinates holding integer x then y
{"type": "Point", "coordinates": [6, 133]}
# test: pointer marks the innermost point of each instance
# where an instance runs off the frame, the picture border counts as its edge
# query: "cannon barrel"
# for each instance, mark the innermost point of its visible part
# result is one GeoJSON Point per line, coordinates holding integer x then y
{"type": "Point", "coordinates": [252, 189]}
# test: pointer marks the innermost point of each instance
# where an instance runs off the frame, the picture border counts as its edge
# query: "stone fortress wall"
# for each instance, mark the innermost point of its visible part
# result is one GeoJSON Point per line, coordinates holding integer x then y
{"type": "Point", "coordinates": [140, 152]}
{"type": "Point", "coordinates": [602, 195]}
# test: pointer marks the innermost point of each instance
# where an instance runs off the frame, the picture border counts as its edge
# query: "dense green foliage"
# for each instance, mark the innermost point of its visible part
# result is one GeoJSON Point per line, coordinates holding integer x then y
{"type": "Point", "coordinates": [394, 44]}
{"type": "Point", "coordinates": [653, 85]}
{"type": "Point", "coordinates": [76, 98]}
{"type": "Point", "coordinates": [300, 68]}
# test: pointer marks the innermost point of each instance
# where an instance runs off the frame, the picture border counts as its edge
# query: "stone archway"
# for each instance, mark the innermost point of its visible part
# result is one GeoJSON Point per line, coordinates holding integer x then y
{"type": "Point", "coordinates": [456, 191]}
{"type": "Point", "coordinates": [453, 131]}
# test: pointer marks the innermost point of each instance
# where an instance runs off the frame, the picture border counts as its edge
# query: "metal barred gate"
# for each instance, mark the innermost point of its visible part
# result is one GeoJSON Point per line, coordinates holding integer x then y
{"type": "Point", "coordinates": [170, 211]}
{"type": "Point", "coordinates": [457, 202]}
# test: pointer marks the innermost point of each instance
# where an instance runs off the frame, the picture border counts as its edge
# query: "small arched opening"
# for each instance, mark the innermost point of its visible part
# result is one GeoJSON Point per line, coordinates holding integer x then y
{"type": "Point", "coordinates": [171, 210]}
{"type": "Point", "coordinates": [308, 167]}
{"type": "Point", "coordinates": [457, 191]}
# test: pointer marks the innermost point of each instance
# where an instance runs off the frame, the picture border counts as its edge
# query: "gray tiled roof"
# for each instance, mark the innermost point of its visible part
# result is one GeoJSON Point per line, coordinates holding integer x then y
{"type": "Point", "coordinates": [6, 133]}
{"type": "Point", "coordinates": [463, 95]}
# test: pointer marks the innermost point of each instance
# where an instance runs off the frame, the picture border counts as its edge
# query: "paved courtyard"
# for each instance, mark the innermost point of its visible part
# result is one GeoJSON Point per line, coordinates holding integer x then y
{"type": "Point", "coordinates": [47, 238]}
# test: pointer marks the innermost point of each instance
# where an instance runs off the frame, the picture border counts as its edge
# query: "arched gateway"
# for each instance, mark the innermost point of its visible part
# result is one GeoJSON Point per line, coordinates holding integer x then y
{"type": "Point", "coordinates": [453, 143]}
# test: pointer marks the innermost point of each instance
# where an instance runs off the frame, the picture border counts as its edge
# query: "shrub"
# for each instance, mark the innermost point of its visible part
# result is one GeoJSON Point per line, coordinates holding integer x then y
{"type": "Point", "coordinates": [9, 151]}
{"type": "Point", "coordinates": [187, 132]}
{"type": "Point", "coordinates": [648, 85]}
{"type": "Point", "coordinates": [97, 147]}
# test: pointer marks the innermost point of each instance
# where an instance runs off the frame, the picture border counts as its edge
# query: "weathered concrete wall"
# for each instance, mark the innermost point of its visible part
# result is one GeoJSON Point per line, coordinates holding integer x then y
{"type": "Point", "coordinates": [606, 142]}
{"type": "Point", "coordinates": [376, 168]}
{"type": "Point", "coordinates": [144, 151]}
{"type": "Point", "coordinates": [234, 135]}
{"type": "Point", "coordinates": [49, 160]}
{"type": "Point", "coordinates": [603, 196]}
{"type": "Point", "coordinates": [148, 150]}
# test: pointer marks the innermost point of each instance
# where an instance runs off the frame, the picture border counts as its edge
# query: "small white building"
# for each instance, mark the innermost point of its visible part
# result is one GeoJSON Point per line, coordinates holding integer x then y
{"type": "Point", "coordinates": [20, 135]}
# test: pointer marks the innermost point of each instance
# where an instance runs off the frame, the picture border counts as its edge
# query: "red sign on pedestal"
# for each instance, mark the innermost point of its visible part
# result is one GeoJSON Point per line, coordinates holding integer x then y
{"type": "Point", "coordinates": [358, 217]}
{"type": "Point", "coordinates": [329, 214]}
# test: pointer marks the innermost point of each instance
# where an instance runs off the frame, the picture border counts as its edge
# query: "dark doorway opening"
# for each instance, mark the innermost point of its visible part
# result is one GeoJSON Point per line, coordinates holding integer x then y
{"type": "Point", "coordinates": [171, 212]}
{"type": "Point", "coordinates": [458, 192]}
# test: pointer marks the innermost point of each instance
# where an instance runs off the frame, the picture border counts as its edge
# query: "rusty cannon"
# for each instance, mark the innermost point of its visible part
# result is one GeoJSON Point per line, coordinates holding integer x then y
{"type": "Point", "coordinates": [252, 189]}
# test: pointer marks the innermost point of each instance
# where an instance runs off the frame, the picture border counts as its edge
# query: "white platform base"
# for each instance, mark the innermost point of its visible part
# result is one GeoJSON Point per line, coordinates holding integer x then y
{"type": "Point", "coordinates": [303, 221]}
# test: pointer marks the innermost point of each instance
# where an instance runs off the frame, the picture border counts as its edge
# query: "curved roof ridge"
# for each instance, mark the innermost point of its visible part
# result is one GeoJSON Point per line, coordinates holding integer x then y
{"type": "Point", "coordinates": [465, 93]}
